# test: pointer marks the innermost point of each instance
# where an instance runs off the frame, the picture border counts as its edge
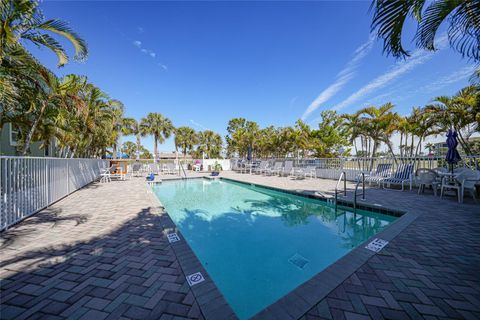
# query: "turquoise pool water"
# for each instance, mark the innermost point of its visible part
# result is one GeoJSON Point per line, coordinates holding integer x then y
{"type": "Point", "coordinates": [258, 244]}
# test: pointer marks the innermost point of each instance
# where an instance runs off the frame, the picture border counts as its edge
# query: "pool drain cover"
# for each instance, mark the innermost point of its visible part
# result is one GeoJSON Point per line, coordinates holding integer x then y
{"type": "Point", "coordinates": [173, 237]}
{"type": "Point", "coordinates": [195, 278]}
{"type": "Point", "coordinates": [298, 261]}
{"type": "Point", "coordinates": [377, 244]}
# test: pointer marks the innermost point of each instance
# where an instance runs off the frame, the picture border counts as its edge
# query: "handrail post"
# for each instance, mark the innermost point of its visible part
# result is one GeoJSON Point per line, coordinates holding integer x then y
{"type": "Point", "coordinates": [344, 183]}
{"type": "Point", "coordinates": [363, 186]}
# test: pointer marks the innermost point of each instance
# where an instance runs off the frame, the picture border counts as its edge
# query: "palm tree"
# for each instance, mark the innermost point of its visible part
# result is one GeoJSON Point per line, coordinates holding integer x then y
{"type": "Point", "coordinates": [185, 139]}
{"type": "Point", "coordinates": [22, 20]}
{"type": "Point", "coordinates": [132, 127]}
{"type": "Point", "coordinates": [210, 143]}
{"type": "Point", "coordinates": [159, 127]}
{"type": "Point", "coordinates": [389, 18]}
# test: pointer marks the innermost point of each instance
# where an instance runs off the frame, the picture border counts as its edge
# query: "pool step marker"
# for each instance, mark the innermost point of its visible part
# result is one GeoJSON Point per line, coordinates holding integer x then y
{"type": "Point", "coordinates": [376, 245]}
{"type": "Point", "coordinates": [298, 261]}
{"type": "Point", "coordinates": [195, 278]}
{"type": "Point", "coordinates": [173, 237]}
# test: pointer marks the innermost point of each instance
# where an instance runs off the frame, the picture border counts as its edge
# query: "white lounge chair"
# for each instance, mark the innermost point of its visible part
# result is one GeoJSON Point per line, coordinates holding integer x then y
{"type": "Point", "coordinates": [306, 171]}
{"type": "Point", "coordinates": [261, 167]}
{"type": "Point", "coordinates": [276, 169]}
{"type": "Point", "coordinates": [382, 172]}
{"type": "Point", "coordinates": [287, 169]}
{"type": "Point", "coordinates": [404, 174]}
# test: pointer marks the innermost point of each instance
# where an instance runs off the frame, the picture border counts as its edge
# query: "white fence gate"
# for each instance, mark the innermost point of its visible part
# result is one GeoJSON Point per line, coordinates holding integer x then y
{"type": "Point", "coordinates": [30, 184]}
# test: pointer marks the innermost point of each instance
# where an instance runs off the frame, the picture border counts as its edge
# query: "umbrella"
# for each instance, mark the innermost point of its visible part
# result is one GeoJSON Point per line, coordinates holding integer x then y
{"type": "Point", "coordinates": [249, 153]}
{"type": "Point", "coordinates": [452, 154]}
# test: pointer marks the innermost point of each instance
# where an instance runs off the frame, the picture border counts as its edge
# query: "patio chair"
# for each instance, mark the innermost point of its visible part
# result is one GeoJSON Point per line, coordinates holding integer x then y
{"type": "Point", "coordinates": [469, 180]}
{"type": "Point", "coordinates": [106, 175]}
{"type": "Point", "coordinates": [463, 179]}
{"type": "Point", "coordinates": [382, 172]}
{"type": "Point", "coordinates": [306, 171]}
{"type": "Point", "coordinates": [136, 169]}
{"type": "Point", "coordinates": [404, 174]}
{"type": "Point", "coordinates": [287, 169]}
{"type": "Point", "coordinates": [153, 168]}
{"type": "Point", "coordinates": [277, 167]}
{"type": "Point", "coordinates": [261, 167]}
{"type": "Point", "coordinates": [427, 178]}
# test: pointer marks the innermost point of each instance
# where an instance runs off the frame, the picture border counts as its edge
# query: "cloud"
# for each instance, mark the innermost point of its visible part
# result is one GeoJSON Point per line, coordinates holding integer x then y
{"type": "Point", "coordinates": [198, 125]}
{"type": "Point", "coordinates": [345, 75]}
{"type": "Point", "coordinates": [449, 79]}
{"type": "Point", "coordinates": [149, 52]}
{"type": "Point", "coordinates": [417, 58]}
{"type": "Point", "coordinates": [140, 29]}
{"type": "Point", "coordinates": [164, 67]}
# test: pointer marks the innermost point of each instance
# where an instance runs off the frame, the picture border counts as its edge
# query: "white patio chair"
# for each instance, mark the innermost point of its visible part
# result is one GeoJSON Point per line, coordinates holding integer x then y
{"type": "Point", "coordinates": [287, 169]}
{"type": "Point", "coordinates": [452, 182]}
{"type": "Point", "coordinates": [468, 180]}
{"type": "Point", "coordinates": [427, 178]}
{"type": "Point", "coordinates": [106, 175]}
{"type": "Point", "coordinates": [277, 167]}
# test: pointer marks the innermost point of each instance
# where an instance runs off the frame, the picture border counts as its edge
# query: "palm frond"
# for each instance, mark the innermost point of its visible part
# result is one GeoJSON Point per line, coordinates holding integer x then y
{"type": "Point", "coordinates": [61, 28]}
{"type": "Point", "coordinates": [49, 42]}
{"type": "Point", "coordinates": [388, 21]}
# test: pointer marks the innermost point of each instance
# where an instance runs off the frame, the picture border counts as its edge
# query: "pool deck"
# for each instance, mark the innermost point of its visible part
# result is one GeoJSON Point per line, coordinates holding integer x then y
{"type": "Point", "coordinates": [102, 252]}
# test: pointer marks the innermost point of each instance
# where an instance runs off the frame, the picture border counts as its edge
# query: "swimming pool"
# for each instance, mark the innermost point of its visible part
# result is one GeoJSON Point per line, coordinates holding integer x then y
{"type": "Point", "coordinates": [258, 244]}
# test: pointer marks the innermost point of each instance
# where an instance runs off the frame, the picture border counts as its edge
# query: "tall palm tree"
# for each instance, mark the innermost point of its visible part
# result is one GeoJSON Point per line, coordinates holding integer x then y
{"type": "Point", "coordinates": [159, 127]}
{"type": "Point", "coordinates": [462, 17]}
{"type": "Point", "coordinates": [22, 20]}
{"type": "Point", "coordinates": [185, 139]}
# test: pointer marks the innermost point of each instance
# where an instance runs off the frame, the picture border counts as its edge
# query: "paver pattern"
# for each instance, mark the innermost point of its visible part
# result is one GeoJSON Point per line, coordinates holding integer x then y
{"type": "Point", "coordinates": [102, 253]}
{"type": "Point", "coordinates": [430, 270]}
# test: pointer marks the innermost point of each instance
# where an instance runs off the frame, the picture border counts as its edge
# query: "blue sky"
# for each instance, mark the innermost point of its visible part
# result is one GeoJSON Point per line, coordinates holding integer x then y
{"type": "Point", "coordinates": [203, 63]}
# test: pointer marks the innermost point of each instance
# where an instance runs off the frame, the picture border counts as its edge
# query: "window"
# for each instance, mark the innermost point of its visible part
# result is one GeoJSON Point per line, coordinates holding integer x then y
{"type": "Point", "coordinates": [14, 135]}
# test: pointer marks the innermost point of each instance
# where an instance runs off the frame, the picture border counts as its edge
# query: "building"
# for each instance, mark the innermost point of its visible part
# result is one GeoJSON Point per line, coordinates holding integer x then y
{"type": "Point", "coordinates": [9, 144]}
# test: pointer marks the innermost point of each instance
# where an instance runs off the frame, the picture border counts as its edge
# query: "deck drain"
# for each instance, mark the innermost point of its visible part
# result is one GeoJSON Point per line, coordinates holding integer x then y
{"type": "Point", "coordinates": [298, 261]}
{"type": "Point", "coordinates": [195, 278]}
{"type": "Point", "coordinates": [377, 244]}
{"type": "Point", "coordinates": [173, 237]}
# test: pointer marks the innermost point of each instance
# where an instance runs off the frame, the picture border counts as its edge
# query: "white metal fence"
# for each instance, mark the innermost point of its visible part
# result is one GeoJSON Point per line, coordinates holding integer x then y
{"type": "Point", "coordinates": [30, 184]}
{"type": "Point", "coordinates": [331, 168]}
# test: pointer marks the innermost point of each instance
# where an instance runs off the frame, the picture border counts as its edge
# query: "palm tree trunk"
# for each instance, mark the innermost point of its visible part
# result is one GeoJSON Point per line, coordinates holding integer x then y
{"type": "Point", "coordinates": [401, 142]}
{"type": "Point", "coordinates": [29, 138]}
{"type": "Point", "coordinates": [155, 149]}
{"type": "Point", "coordinates": [138, 147]}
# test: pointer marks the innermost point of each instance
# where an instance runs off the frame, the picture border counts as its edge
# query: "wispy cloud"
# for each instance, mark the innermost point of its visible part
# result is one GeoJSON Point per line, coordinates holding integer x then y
{"type": "Point", "coordinates": [198, 125]}
{"type": "Point", "coordinates": [161, 65]}
{"type": "Point", "coordinates": [345, 75]}
{"type": "Point", "coordinates": [449, 79]}
{"type": "Point", "coordinates": [417, 58]}
{"type": "Point", "coordinates": [149, 52]}
{"type": "Point", "coordinates": [140, 29]}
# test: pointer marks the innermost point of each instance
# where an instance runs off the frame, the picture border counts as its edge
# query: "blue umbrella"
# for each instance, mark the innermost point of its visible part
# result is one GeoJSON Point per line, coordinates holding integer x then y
{"type": "Point", "coordinates": [249, 153]}
{"type": "Point", "coordinates": [452, 154]}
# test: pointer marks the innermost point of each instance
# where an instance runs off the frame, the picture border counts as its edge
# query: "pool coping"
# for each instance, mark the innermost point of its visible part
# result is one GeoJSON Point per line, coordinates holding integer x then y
{"type": "Point", "coordinates": [300, 300]}
{"type": "Point", "coordinates": [212, 303]}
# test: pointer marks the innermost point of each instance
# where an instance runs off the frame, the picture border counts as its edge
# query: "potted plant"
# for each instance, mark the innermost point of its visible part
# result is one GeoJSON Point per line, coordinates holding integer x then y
{"type": "Point", "coordinates": [216, 168]}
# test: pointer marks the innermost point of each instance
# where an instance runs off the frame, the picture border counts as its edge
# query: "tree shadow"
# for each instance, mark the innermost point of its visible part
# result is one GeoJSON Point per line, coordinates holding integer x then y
{"type": "Point", "coordinates": [51, 216]}
{"type": "Point", "coordinates": [137, 248]}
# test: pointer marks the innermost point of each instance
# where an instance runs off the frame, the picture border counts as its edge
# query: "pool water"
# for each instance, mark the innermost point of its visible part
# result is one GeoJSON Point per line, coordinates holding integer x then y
{"type": "Point", "coordinates": [259, 244]}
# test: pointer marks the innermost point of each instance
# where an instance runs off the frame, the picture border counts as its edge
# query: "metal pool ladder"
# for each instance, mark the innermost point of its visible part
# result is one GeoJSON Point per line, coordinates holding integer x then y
{"type": "Point", "coordinates": [355, 194]}
{"type": "Point", "coordinates": [343, 177]}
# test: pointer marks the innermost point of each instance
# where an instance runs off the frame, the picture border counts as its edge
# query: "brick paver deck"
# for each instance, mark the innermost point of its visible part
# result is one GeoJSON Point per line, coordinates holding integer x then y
{"type": "Point", "coordinates": [102, 253]}
{"type": "Point", "coordinates": [98, 254]}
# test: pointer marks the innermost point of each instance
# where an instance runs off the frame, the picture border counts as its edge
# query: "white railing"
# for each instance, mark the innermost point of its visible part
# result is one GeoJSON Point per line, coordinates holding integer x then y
{"type": "Point", "coordinates": [332, 168]}
{"type": "Point", "coordinates": [30, 184]}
